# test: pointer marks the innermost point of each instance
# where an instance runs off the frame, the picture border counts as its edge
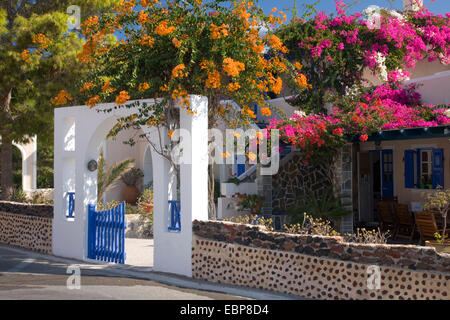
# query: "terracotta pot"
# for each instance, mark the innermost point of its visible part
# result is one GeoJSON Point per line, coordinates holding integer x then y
{"type": "Point", "coordinates": [130, 194]}
{"type": "Point", "coordinates": [442, 248]}
{"type": "Point", "coordinates": [148, 207]}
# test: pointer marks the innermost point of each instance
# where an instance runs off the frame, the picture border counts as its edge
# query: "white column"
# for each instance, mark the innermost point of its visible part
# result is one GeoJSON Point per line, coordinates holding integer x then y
{"type": "Point", "coordinates": [172, 250]}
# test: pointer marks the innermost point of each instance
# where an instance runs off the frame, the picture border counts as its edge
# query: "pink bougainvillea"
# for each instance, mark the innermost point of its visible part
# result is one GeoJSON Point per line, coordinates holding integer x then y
{"type": "Point", "coordinates": [388, 107]}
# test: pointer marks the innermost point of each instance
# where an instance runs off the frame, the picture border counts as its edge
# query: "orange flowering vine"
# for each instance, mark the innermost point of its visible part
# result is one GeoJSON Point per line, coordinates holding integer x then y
{"type": "Point", "coordinates": [232, 67]}
{"type": "Point", "coordinates": [62, 98]}
{"type": "Point", "coordinates": [122, 98]}
{"type": "Point", "coordinates": [163, 29]}
{"type": "Point", "coordinates": [179, 71]}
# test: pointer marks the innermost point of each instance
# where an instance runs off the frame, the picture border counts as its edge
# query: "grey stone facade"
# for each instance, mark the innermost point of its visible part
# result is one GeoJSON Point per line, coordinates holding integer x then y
{"type": "Point", "coordinates": [295, 179]}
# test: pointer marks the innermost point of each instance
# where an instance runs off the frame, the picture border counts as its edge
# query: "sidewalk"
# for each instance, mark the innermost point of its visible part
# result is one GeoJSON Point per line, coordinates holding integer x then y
{"type": "Point", "coordinates": [144, 273]}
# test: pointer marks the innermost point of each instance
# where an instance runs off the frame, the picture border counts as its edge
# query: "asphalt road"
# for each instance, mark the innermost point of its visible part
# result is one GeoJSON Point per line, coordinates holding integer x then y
{"type": "Point", "coordinates": [25, 276]}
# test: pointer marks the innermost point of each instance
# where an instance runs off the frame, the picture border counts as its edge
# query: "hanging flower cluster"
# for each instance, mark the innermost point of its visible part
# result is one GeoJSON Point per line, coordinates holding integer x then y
{"type": "Point", "coordinates": [338, 49]}
{"type": "Point", "coordinates": [172, 49]}
{"type": "Point", "coordinates": [387, 107]}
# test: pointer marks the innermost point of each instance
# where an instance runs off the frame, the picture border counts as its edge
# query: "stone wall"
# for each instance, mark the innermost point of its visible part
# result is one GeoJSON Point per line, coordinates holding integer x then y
{"type": "Point", "coordinates": [29, 232]}
{"type": "Point", "coordinates": [27, 226]}
{"type": "Point", "coordinates": [37, 210]}
{"type": "Point", "coordinates": [315, 266]}
{"type": "Point", "coordinates": [295, 179]}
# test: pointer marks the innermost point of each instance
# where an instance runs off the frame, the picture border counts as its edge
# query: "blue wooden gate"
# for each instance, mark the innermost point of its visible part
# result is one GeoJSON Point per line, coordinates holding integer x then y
{"type": "Point", "coordinates": [106, 234]}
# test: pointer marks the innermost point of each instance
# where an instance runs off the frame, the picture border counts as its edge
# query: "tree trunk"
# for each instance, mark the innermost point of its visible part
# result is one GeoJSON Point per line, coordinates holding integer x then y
{"type": "Point", "coordinates": [211, 202]}
{"type": "Point", "coordinates": [6, 181]}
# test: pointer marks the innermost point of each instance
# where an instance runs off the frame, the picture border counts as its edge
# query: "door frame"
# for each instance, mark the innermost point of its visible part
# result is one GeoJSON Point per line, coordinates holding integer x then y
{"type": "Point", "coordinates": [381, 171]}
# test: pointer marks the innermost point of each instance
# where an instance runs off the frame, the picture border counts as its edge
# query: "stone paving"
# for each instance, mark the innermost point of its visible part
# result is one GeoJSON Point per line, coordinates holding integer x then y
{"type": "Point", "coordinates": [139, 252]}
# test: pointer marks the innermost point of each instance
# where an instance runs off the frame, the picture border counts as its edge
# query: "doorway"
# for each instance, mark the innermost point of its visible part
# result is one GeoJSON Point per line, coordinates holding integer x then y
{"type": "Point", "coordinates": [375, 180]}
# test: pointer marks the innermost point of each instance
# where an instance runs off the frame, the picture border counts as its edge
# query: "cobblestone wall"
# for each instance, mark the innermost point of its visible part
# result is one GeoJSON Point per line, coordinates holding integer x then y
{"type": "Point", "coordinates": [29, 232]}
{"type": "Point", "coordinates": [316, 266]}
{"type": "Point", "coordinates": [37, 210]}
{"type": "Point", "coordinates": [27, 226]}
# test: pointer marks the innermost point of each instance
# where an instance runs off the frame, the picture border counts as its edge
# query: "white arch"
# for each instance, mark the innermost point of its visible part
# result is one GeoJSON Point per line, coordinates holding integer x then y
{"type": "Point", "coordinates": [79, 133]}
{"type": "Point", "coordinates": [29, 163]}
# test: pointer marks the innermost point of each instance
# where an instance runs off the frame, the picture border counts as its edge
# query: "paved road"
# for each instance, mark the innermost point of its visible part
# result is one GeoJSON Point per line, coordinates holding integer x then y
{"type": "Point", "coordinates": [25, 276]}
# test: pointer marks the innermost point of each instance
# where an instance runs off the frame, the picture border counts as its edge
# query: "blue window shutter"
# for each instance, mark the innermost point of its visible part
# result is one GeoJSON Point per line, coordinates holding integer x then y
{"type": "Point", "coordinates": [438, 168]}
{"type": "Point", "coordinates": [409, 169]}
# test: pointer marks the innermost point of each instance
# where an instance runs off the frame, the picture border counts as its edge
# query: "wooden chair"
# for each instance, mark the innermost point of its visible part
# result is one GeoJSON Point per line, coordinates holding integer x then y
{"type": "Point", "coordinates": [403, 220]}
{"type": "Point", "coordinates": [387, 220]}
{"type": "Point", "coordinates": [426, 224]}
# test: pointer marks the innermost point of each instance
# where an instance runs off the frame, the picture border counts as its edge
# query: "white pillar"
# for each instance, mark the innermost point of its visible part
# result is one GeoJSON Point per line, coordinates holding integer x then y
{"type": "Point", "coordinates": [172, 250]}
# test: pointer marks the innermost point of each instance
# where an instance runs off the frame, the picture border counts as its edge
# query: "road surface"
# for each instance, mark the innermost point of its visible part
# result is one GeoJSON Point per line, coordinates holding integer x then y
{"type": "Point", "coordinates": [25, 276]}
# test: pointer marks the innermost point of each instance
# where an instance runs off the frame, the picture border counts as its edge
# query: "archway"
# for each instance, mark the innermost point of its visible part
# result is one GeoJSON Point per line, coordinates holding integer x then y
{"type": "Point", "coordinates": [79, 132]}
{"type": "Point", "coordinates": [27, 166]}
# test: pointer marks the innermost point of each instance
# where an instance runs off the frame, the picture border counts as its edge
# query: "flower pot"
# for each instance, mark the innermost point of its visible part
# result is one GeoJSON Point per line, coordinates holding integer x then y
{"type": "Point", "coordinates": [130, 194]}
{"type": "Point", "coordinates": [440, 247]}
{"type": "Point", "coordinates": [148, 207]}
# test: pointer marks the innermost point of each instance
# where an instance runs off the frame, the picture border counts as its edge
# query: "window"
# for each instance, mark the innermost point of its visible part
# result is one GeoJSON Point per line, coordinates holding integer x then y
{"type": "Point", "coordinates": [424, 168]}
{"type": "Point", "coordinates": [426, 176]}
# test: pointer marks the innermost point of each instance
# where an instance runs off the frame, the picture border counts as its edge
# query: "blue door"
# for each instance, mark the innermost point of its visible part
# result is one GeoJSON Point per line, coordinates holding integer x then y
{"type": "Point", "coordinates": [387, 173]}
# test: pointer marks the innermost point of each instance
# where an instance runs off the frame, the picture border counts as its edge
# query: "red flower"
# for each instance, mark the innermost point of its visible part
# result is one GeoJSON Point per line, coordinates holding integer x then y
{"type": "Point", "coordinates": [338, 131]}
{"type": "Point", "coordinates": [363, 137]}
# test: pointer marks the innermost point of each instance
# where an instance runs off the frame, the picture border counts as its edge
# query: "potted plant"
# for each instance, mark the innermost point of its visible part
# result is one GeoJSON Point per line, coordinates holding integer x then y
{"type": "Point", "coordinates": [131, 178]}
{"type": "Point", "coordinates": [440, 201]}
{"type": "Point", "coordinates": [145, 201]}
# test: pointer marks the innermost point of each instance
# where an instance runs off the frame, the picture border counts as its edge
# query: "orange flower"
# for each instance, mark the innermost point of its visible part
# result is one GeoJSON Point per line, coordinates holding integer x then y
{"type": "Point", "coordinates": [301, 80]}
{"type": "Point", "coordinates": [233, 86]}
{"type": "Point", "coordinates": [277, 85]}
{"type": "Point", "coordinates": [248, 112]}
{"type": "Point", "coordinates": [62, 98]}
{"type": "Point", "coordinates": [122, 98]}
{"type": "Point", "coordinates": [87, 86]}
{"type": "Point", "coordinates": [106, 88]}
{"type": "Point", "coordinates": [226, 155]}
{"type": "Point", "coordinates": [148, 3]}
{"type": "Point", "coordinates": [42, 41]}
{"type": "Point", "coordinates": [26, 56]}
{"type": "Point", "coordinates": [178, 71]}
{"type": "Point", "coordinates": [92, 101]}
{"type": "Point", "coordinates": [143, 18]}
{"type": "Point", "coordinates": [276, 43]}
{"type": "Point", "coordinates": [143, 86]}
{"type": "Point", "coordinates": [232, 67]}
{"type": "Point", "coordinates": [213, 80]}
{"type": "Point", "coordinates": [147, 40]}
{"type": "Point", "coordinates": [176, 42]}
{"type": "Point", "coordinates": [219, 32]}
{"type": "Point", "coordinates": [266, 112]}
{"type": "Point", "coordinates": [298, 65]}
{"type": "Point", "coordinates": [170, 134]}
{"type": "Point", "coordinates": [163, 29]}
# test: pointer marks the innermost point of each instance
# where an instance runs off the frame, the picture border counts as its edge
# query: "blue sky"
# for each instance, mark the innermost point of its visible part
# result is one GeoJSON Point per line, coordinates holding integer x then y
{"type": "Point", "coordinates": [439, 6]}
